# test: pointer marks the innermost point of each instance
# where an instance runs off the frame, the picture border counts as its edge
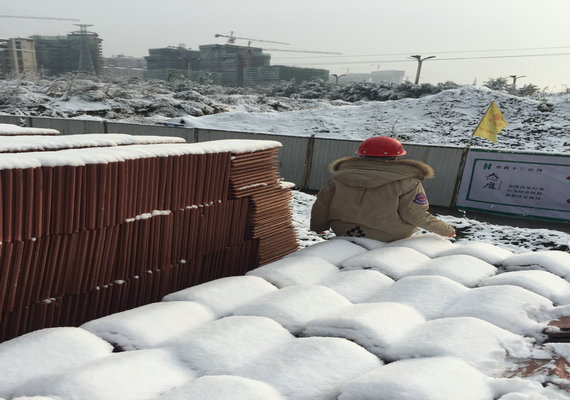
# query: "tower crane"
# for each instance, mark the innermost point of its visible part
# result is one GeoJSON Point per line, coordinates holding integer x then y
{"type": "Point", "coordinates": [52, 18]}
{"type": "Point", "coordinates": [232, 39]}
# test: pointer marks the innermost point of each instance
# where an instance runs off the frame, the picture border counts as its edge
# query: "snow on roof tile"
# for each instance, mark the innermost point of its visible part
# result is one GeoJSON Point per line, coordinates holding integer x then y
{"type": "Point", "coordinates": [98, 155]}
{"type": "Point", "coordinates": [15, 130]}
{"type": "Point", "coordinates": [30, 143]}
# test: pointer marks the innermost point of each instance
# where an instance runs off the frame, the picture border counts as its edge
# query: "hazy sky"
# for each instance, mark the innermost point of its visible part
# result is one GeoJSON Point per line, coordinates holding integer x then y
{"type": "Point", "coordinates": [473, 40]}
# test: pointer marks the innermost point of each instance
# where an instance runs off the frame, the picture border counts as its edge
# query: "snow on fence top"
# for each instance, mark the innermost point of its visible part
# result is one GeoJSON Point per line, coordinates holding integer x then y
{"type": "Point", "coordinates": [10, 129]}
{"type": "Point", "coordinates": [98, 155]}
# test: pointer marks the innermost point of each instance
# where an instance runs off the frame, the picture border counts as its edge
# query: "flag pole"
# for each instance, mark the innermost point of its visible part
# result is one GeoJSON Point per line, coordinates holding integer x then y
{"type": "Point", "coordinates": [463, 160]}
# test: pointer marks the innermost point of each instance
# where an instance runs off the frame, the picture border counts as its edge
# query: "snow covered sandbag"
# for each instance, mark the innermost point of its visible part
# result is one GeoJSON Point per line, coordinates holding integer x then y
{"type": "Point", "coordinates": [428, 244]}
{"type": "Point", "coordinates": [396, 262]}
{"type": "Point", "coordinates": [435, 378]}
{"type": "Point", "coordinates": [359, 284]}
{"type": "Point", "coordinates": [130, 375]}
{"type": "Point", "coordinates": [147, 326]}
{"type": "Point", "coordinates": [222, 346]}
{"type": "Point", "coordinates": [430, 295]}
{"type": "Point", "coordinates": [485, 251]}
{"type": "Point", "coordinates": [372, 325]}
{"type": "Point", "coordinates": [368, 244]}
{"type": "Point", "coordinates": [480, 344]}
{"type": "Point", "coordinates": [224, 295]}
{"type": "Point", "coordinates": [311, 368]}
{"type": "Point", "coordinates": [525, 389]}
{"type": "Point", "coordinates": [299, 270]}
{"type": "Point", "coordinates": [510, 307]}
{"type": "Point", "coordinates": [46, 351]}
{"type": "Point", "coordinates": [335, 250]}
{"type": "Point", "coordinates": [223, 387]}
{"type": "Point", "coordinates": [553, 261]}
{"type": "Point", "coordinates": [464, 269]}
{"type": "Point", "coordinates": [541, 282]}
{"type": "Point", "coordinates": [294, 306]}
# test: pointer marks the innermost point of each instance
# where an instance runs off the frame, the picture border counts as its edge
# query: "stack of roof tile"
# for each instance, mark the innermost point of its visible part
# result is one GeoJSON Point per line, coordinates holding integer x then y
{"type": "Point", "coordinates": [104, 224]}
{"type": "Point", "coordinates": [255, 175]}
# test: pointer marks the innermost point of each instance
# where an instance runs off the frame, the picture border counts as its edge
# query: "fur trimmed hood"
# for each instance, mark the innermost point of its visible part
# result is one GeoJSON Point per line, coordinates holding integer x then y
{"type": "Point", "coordinates": [354, 162]}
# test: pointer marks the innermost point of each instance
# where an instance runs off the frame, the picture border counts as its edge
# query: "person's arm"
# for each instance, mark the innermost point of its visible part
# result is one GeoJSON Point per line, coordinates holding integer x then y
{"type": "Point", "coordinates": [413, 208]}
{"type": "Point", "coordinates": [320, 209]}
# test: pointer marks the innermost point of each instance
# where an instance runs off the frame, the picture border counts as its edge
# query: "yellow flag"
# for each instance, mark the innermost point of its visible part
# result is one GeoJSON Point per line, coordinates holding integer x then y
{"type": "Point", "coordinates": [491, 124]}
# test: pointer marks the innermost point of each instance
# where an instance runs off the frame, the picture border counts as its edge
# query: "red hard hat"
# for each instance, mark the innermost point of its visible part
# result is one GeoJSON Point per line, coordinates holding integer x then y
{"type": "Point", "coordinates": [381, 146]}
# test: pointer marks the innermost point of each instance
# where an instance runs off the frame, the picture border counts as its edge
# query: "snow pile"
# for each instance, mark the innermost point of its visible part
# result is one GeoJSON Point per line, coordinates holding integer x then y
{"type": "Point", "coordinates": [306, 327]}
{"type": "Point", "coordinates": [447, 117]}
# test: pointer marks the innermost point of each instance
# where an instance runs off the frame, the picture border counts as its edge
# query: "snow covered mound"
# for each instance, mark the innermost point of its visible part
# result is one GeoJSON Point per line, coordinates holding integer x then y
{"type": "Point", "coordinates": [350, 326]}
{"type": "Point", "coordinates": [445, 118]}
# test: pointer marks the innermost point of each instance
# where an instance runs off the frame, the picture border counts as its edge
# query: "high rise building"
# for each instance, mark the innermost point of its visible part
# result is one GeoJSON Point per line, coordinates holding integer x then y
{"type": "Point", "coordinates": [17, 57]}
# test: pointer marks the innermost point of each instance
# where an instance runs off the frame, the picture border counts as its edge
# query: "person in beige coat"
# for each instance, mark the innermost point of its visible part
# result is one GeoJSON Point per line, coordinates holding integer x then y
{"type": "Point", "coordinates": [376, 196]}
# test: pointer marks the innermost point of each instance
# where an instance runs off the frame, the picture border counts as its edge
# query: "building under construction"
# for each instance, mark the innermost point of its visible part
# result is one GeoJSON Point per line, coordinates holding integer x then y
{"type": "Point", "coordinates": [224, 64]}
{"type": "Point", "coordinates": [79, 51]}
{"type": "Point", "coordinates": [17, 57]}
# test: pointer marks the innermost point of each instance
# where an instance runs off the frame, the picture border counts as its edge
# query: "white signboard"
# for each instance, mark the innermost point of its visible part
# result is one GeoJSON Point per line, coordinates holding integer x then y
{"type": "Point", "coordinates": [534, 185]}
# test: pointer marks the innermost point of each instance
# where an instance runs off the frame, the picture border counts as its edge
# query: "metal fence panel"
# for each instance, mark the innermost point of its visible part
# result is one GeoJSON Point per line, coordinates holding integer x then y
{"type": "Point", "coordinates": [446, 162]}
{"type": "Point", "coordinates": [68, 126]}
{"type": "Point", "coordinates": [11, 119]}
{"type": "Point", "coordinates": [151, 130]}
{"type": "Point", "coordinates": [326, 151]}
{"type": "Point", "coordinates": [291, 155]}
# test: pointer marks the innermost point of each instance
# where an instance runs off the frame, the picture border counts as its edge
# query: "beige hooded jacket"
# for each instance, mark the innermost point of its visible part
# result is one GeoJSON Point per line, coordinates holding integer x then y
{"type": "Point", "coordinates": [377, 199]}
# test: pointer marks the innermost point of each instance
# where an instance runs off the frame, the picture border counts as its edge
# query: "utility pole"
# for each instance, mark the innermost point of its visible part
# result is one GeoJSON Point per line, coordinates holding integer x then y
{"type": "Point", "coordinates": [420, 61]}
{"type": "Point", "coordinates": [515, 77]}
